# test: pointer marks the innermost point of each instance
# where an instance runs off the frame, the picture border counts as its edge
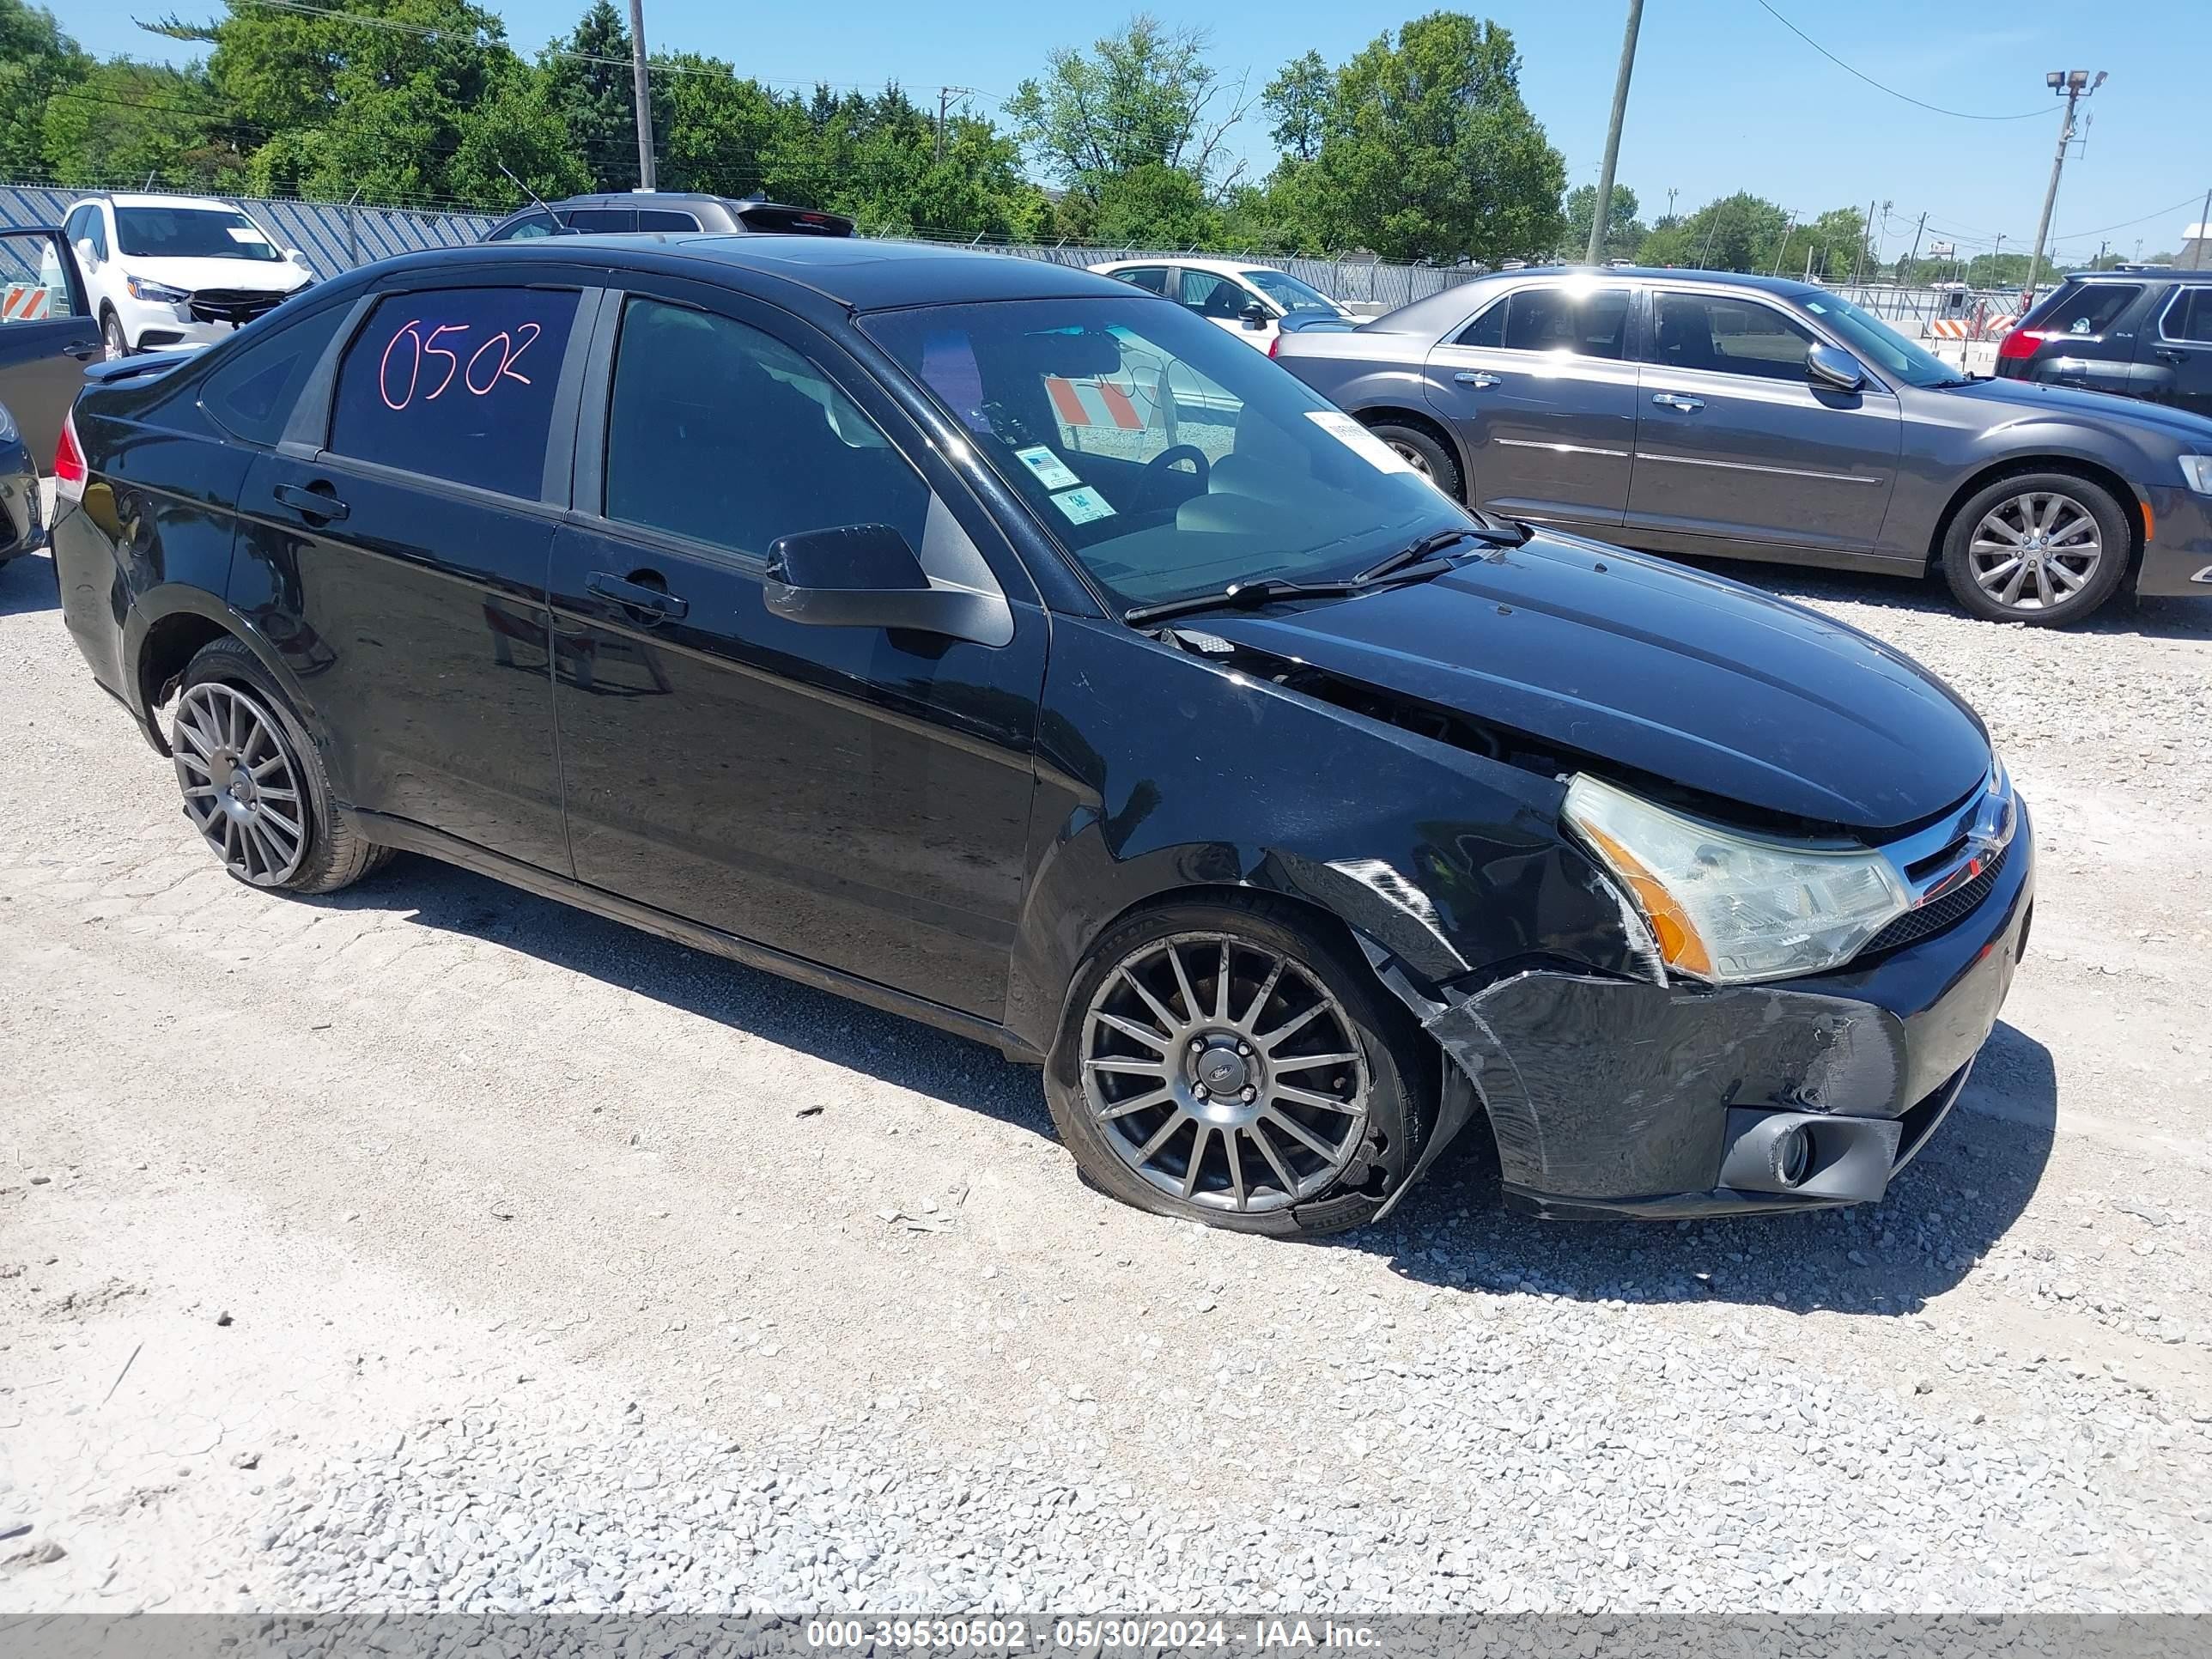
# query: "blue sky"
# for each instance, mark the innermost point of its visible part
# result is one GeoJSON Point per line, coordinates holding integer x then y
{"type": "Point", "coordinates": [1725, 97]}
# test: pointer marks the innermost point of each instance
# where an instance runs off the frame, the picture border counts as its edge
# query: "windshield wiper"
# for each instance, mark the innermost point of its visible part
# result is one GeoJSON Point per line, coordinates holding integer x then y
{"type": "Point", "coordinates": [1415, 562]}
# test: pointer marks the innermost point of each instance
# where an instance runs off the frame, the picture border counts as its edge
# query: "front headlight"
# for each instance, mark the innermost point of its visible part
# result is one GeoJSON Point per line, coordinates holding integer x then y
{"type": "Point", "coordinates": [160, 294]}
{"type": "Point", "coordinates": [1730, 907]}
{"type": "Point", "coordinates": [2197, 470]}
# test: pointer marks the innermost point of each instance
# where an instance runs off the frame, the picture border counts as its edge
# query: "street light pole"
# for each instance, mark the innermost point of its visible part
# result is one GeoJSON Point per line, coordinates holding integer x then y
{"type": "Point", "coordinates": [1600, 220]}
{"type": "Point", "coordinates": [645, 176]}
{"type": "Point", "coordinates": [2072, 85]}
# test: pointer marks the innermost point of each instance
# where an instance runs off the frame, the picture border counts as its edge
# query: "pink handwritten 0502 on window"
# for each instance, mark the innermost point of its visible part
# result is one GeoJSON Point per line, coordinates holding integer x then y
{"type": "Point", "coordinates": [509, 347]}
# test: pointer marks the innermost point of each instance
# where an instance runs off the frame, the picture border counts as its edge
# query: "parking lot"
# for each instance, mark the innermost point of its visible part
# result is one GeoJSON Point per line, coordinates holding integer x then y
{"type": "Point", "coordinates": [433, 1245]}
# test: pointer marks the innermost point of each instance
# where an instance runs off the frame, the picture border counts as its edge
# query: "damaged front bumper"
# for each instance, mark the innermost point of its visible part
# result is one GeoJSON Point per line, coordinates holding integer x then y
{"type": "Point", "coordinates": [1625, 1097]}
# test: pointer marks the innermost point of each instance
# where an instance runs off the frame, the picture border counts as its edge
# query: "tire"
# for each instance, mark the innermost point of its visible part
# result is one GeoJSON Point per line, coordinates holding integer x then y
{"type": "Point", "coordinates": [2073, 513]}
{"type": "Point", "coordinates": [242, 759]}
{"type": "Point", "coordinates": [111, 337]}
{"type": "Point", "coordinates": [1349, 1157]}
{"type": "Point", "coordinates": [1431, 459]}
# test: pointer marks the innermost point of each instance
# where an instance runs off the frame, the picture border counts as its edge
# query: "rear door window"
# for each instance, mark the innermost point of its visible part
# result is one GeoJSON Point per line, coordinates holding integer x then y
{"type": "Point", "coordinates": [601, 219]}
{"type": "Point", "coordinates": [1153, 279]}
{"type": "Point", "coordinates": [2088, 308]}
{"type": "Point", "coordinates": [455, 384]}
{"type": "Point", "coordinates": [2188, 316]}
{"type": "Point", "coordinates": [665, 219]}
{"type": "Point", "coordinates": [1580, 322]}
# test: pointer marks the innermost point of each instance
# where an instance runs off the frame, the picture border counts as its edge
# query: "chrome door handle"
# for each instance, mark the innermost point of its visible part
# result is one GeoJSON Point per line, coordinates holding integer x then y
{"type": "Point", "coordinates": [1675, 400]}
{"type": "Point", "coordinates": [1481, 382]}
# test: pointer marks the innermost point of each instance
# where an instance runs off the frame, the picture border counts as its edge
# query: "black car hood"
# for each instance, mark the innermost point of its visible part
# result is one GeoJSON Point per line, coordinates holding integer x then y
{"type": "Point", "coordinates": [2108, 407]}
{"type": "Point", "coordinates": [1717, 688]}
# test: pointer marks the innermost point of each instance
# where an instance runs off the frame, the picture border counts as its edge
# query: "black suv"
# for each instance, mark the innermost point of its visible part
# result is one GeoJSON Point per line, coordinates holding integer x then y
{"type": "Point", "coordinates": [616, 212]}
{"type": "Point", "coordinates": [2141, 332]}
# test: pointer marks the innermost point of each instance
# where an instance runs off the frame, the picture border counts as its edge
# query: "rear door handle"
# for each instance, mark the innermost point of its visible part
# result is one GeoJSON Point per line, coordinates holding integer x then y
{"type": "Point", "coordinates": [1479, 380]}
{"type": "Point", "coordinates": [83, 350]}
{"type": "Point", "coordinates": [1675, 400]}
{"type": "Point", "coordinates": [2169, 354]}
{"type": "Point", "coordinates": [637, 596]}
{"type": "Point", "coordinates": [315, 500]}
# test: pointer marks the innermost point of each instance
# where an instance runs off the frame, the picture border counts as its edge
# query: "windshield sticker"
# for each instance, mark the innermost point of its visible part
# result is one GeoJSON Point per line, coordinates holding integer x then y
{"type": "Point", "coordinates": [1359, 440]}
{"type": "Point", "coordinates": [1083, 504]}
{"type": "Point", "coordinates": [247, 233]}
{"type": "Point", "coordinates": [1051, 472]}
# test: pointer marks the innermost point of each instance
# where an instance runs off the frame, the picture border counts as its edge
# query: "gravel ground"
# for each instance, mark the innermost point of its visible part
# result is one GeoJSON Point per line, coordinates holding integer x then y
{"type": "Point", "coordinates": [435, 1247]}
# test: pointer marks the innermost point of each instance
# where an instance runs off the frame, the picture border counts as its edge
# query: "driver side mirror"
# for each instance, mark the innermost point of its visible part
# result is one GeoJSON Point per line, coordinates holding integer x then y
{"type": "Point", "coordinates": [1831, 370]}
{"type": "Point", "coordinates": [1255, 315]}
{"type": "Point", "coordinates": [866, 575]}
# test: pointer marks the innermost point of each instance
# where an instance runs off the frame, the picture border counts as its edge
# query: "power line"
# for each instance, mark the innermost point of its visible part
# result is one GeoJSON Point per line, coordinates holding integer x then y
{"type": "Point", "coordinates": [2188, 200]}
{"type": "Point", "coordinates": [1907, 97]}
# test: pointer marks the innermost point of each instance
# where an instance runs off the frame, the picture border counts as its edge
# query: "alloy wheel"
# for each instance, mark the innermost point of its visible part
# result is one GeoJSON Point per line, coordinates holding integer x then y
{"type": "Point", "coordinates": [2035, 551]}
{"type": "Point", "coordinates": [1412, 457]}
{"type": "Point", "coordinates": [1224, 1074]}
{"type": "Point", "coordinates": [112, 339]}
{"type": "Point", "coordinates": [241, 786]}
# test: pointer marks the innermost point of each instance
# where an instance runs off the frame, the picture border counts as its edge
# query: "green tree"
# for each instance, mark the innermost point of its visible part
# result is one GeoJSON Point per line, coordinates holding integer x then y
{"type": "Point", "coordinates": [1299, 98]}
{"type": "Point", "coordinates": [587, 77]}
{"type": "Point", "coordinates": [1145, 97]}
{"type": "Point", "coordinates": [1740, 232]}
{"type": "Point", "coordinates": [36, 60]}
{"type": "Point", "coordinates": [1153, 206]}
{"type": "Point", "coordinates": [517, 128]}
{"type": "Point", "coordinates": [1624, 231]}
{"type": "Point", "coordinates": [1831, 247]}
{"type": "Point", "coordinates": [1429, 153]}
{"type": "Point", "coordinates": [128, 122]}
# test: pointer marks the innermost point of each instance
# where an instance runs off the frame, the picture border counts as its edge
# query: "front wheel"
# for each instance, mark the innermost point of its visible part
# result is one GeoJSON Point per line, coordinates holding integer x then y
{"type": "Point", "coordinates": [2046, 548]}
{"type": "Point", "coordinates": [1225, 1062]}
{"type": "Point", "coordinates": [112, 337]}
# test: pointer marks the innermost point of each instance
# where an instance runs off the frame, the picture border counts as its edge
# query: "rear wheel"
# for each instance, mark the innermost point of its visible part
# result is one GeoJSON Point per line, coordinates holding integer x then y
{"type": "Point", "coordinates": [252, 782]}
{"type": "Point", "coordinates": [2046, 548]}
{"type": "Point", "coordinates": [1224, 1062]}
{"type": "Point", "coordinates": [1420, 450]}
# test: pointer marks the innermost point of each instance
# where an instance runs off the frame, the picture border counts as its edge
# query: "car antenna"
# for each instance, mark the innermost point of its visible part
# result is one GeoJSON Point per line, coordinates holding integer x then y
{"type": "Point", "coordinates": [536, 201]}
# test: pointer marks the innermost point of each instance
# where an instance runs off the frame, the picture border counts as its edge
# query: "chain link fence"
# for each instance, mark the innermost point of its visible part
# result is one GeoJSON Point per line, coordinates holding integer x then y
{"type": "Point", "coordinates": [336, 236]}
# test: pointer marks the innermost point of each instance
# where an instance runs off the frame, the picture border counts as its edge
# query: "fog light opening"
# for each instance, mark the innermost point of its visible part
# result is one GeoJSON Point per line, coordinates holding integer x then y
{"type": "Point", "coordinates": [1793, 1156]}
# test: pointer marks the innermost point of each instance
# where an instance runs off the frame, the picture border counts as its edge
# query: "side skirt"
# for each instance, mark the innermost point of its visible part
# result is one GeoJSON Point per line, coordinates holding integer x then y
{"type": "Point", "coordinates": [411, 837]}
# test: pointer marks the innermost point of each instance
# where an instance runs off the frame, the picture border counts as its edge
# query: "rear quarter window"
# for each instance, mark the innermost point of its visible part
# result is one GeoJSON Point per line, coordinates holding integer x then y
{"type": "Point", "coordinates": [2090, 308]}
{"type": "Point", "coordinates": [251, 397]}
{"type": "Point", "coordinates": [455, 384]}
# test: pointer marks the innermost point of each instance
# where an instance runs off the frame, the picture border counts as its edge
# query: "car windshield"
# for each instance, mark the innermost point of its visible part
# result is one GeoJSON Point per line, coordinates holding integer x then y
{"type": "Point", "coordinates": [1881, 344]}
{"type": "Point", "coordinates": [1288, 292]}
{"type": "Point", "coordinates": [171, 233]}
{"type": "Point", "coordinates": [1166, 455]}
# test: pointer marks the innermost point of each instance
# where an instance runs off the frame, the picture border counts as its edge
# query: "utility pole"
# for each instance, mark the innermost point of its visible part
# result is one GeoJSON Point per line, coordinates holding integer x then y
{"type": "Point", "coordinates": [1914, 258]}
{"type": "Point", "coordinates": [2072, 85]}
{"type": "Point", "coordinates": [1781, 253]}
{"type": "Point", "coordinates": [645, 177]}
{"type": "Point", "coordinates": [1601, 220]}
{"type": "Point", "coordinates": [944, 97]}
{"type": "Point", "coordinates": [2203, 229]}
{"type": "Point", "coordinates": [1670, 202]}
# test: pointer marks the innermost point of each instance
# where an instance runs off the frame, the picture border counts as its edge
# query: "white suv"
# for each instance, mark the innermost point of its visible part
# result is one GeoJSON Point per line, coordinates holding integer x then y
{"type": "Point", "coordinates": [163, 271]}
{"type": "Point", "coordinates": [1249, 300]}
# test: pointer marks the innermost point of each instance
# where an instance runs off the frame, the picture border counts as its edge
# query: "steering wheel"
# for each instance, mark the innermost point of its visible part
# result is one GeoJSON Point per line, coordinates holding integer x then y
{"type": "Point", "coordinates": [1167, 458]}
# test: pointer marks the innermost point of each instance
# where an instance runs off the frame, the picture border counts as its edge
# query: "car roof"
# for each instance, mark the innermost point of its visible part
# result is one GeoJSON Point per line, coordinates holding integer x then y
{"type": "Point", "coordinates": [1188, 262]}
{"type": "Point", "coordinates": [851, 273]}
{"type": "Point", "coordinates": [1440, 309]}
{"type": "Point", "coordinates": [142, 198]}
{"type": "Point", "coordinates": [643, 198]}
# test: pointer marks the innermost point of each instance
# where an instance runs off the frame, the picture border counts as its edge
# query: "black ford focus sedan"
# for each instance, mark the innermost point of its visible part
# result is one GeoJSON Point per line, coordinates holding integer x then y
{"type": "Point", "coordinates": [1004, 647]}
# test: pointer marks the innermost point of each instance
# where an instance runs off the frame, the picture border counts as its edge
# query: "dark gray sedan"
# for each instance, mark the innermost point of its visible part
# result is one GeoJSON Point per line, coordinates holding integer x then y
{"type": "Point", "coordinates": [1691, 412]}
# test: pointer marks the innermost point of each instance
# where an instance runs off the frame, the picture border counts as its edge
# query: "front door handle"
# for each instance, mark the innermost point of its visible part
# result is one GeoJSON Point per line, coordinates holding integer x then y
{"type": "Point", "coordinates": [83, 350]}
{"type": "Point", "coordinates": [650, 597]}
{"type": "Point", "coordinates": [1675, 400]}
{"type": "Point", "coordinates": [1479, 381]}
{"type": "Point", "coordinates": [317, 501]}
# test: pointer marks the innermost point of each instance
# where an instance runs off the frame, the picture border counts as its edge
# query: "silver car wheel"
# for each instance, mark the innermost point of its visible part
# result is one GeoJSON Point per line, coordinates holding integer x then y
{"type": "Point", "coordinates": [1412, 457]}
{"type": "Point", "coordinates": [1224, 1074]}
{"type": "Point", "coordinates": [241, 788]}
{"type": "Point", "coordinates": [2035, 551]}
{"type": "Point", "coordinates": [112, 339]}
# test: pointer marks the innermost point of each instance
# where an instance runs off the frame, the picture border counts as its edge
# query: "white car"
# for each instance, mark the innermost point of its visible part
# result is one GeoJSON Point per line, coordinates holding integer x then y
{"type": "Point", "coordinates": [164, 271]}
{"type": "Point", "coordinates": [1247, 300]}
